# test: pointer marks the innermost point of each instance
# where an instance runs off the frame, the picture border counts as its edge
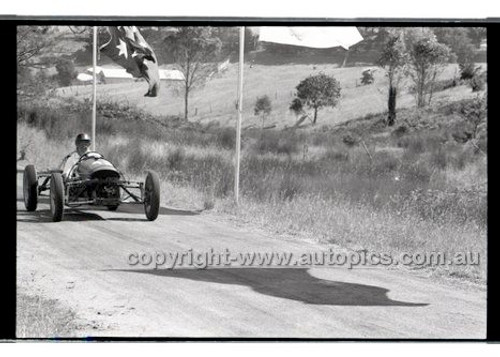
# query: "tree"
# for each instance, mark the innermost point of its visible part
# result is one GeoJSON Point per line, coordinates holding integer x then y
{"type": "Point", "coordinates": [393, 59]}
{"type": "Point", "coordinates": [33, 43]}
{"type": "Point", "coordinates": [229, 37]}
{"type": "Point", "coordinates": [316, 92]}
{"type": "Point", "coordinates": [367, 77]}
{"type": "Point", "coordinates": [475, 112]}
{"type": "Point", "coordinates": [426, 59]}
{"type": "Point", "coordinates": [66, 72]}
{"type": "Point", "coordinates": [38, 48]}
{"type": "Point", "coordinates": [460, 43]}
{"type": "Point", "coordinates": [84, 35]}
{"type": "Point", "coordinates": [477, 35]}
{"type": "Point", "coordinates": [263, 107]}
{"type": "Point", "coordinates": [195, 51]}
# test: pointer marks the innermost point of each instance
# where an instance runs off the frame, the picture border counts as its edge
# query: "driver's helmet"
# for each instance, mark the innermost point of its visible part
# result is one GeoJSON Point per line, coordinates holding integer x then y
{"type": "Point", "coordinates": [83, 138]}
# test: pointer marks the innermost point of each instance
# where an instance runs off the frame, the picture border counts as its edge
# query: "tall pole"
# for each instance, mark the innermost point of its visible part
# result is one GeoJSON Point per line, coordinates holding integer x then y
{"type": "Point", "coordinates": [240, 110]}
{"type": "Point", "coordinates": [94, 97]}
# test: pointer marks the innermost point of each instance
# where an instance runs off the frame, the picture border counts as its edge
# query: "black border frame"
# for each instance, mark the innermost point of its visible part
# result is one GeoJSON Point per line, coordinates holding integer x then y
{"type": "Point", "coordinates": [9, 108]}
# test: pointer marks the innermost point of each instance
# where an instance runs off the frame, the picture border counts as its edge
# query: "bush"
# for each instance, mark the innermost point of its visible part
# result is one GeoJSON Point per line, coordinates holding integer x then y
{"type": "Point", "coordinates": [66, 72]}
{"type": "Point", "coordinates": [226, 138]}
{"type": "Point", "coordinates": [263, 107]}
{"type": "Point", "coordinates": [468, 70]}
{"type": "Point", "coordinates": [400, 131]}
{"type": "Point", "coordinates": [445, 84]}
{"type": "Point", "coordinates": [350, 140]}
{"type": "Point", "coordinates": [367, 77]}
{"type": "Point", "coordinates": [478, 82]}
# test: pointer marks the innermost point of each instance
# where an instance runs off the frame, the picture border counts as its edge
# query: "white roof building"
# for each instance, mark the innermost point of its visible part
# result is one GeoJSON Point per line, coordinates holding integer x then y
{"type": "Point", "coordinates": [121, 73]}
{"type": "Point", "coordinates": [171, 75]}
{"type": "Point", "coordinates": [111, 72]}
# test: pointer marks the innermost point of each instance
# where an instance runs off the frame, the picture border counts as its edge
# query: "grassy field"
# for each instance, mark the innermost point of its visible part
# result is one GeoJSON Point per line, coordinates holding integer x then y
{"type": "Point", "coordinates": [414, 187]}
{"type": "Point", "coordinates": [215, 102]}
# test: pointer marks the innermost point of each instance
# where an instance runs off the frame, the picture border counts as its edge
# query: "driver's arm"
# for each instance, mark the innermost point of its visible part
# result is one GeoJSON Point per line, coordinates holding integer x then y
{"type": "Point", "coordinates": [65, 167]}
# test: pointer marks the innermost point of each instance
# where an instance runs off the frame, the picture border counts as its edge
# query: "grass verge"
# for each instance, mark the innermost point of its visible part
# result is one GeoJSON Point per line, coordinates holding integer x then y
{"type": "Point", "coordinates": [38, 317]}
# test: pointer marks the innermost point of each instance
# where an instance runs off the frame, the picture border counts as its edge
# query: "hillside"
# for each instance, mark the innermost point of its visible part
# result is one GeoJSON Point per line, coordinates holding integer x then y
{"type": "Point", "coordinates": [216, 101]}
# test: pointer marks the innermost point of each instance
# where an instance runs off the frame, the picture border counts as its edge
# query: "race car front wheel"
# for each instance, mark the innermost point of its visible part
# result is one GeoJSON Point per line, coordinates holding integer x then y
{"type": "Point", "coordinates": [152, 195]}
{"type": "Point", "coordinates": [30, 188]}
{"type": "Point", "coordinates": [56, 197]}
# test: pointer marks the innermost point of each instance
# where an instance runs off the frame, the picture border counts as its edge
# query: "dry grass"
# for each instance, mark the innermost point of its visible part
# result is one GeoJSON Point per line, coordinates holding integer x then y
{"type": "Point", "coordinates": [356, 226]}
{"type": "Point", "coordinates": [38, 317]}
{"type": "Point", "coordinates": [215, 102]}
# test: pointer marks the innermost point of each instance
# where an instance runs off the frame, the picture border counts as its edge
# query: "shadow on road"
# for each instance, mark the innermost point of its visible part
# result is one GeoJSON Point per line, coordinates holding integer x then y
{"type": "Point", "coordinates": [44, 216]}
{"type": "Point", "coordinates": [139, 209]}
{"type": "Point", "coordinates": [288, 283]}
{"type": "Point", "coordinates": [41, 199]}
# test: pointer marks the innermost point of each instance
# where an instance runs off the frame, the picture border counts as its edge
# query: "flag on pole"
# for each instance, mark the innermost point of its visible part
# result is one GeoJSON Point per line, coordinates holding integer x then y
{"type": "Point", "coordinates": [128, 48]}
{"type": "Point", "coordinates": [316, 37]}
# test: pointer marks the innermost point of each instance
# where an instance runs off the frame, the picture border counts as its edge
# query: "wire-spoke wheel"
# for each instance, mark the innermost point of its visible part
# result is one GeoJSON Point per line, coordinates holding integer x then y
{"type": "Point", "coordinates": [30, 188]}
{"type": "Point", "coordinates": [56, 197]}
{"type": "Point", "coordinates": [152, 195]}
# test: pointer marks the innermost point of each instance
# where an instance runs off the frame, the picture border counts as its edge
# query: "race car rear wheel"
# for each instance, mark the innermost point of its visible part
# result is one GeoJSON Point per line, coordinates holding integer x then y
{"type": "Point", "coordinates": [152, 195]}
{"type": "Point", "coordinates": [56, 197]}
{"type": "Point", "coordinates": [30, 188]}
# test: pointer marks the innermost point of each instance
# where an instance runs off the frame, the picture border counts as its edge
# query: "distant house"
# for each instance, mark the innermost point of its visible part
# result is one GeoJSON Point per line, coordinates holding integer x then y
{"type": "Point", "coordinates": [120, 75]}
{"type": "Point", "coordinates": [84, 77]}
{"type": "Point", "coordinates": [171, 75]}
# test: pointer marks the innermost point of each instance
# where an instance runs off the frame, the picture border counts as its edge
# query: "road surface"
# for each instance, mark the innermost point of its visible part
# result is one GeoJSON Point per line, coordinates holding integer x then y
{"type": "Point", "coordinates": [83, 263]}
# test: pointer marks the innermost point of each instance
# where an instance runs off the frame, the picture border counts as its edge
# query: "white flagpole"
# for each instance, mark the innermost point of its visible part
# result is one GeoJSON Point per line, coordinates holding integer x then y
{"type": "Point", "coordinates": [240, 110]}
{"type": "Point", "coordinates": [94, 98]}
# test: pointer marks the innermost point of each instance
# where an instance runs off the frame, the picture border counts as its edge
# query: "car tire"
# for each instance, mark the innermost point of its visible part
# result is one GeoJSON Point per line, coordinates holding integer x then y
{"type": "Point", "coordinates": [30, 188]}
{"type": "Point", "coordinates": [112, 208]}
{"type": "Point", "coordinates": [152, 195]}
{"type": "Point", "coordinates": [56, 197]}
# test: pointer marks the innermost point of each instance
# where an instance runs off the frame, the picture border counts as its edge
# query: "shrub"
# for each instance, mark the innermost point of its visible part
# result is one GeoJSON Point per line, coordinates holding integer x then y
{"type": "Point", "coordinates": [468, 70]}
{"type": "Point", "coordinates": [66, 72]}
{"type": "Point", "coordinates": [263, 107]}
{"type": "Point", "coordinates": [400, 131]}
{"type": "Point", "coordinates": [478, 82]}
{"type": "Point", "coordinates": [226, 138]}
{"type": "Point", "coordinates": [350, 139]}
{"type": "Point", "coordinates": [367, 77]}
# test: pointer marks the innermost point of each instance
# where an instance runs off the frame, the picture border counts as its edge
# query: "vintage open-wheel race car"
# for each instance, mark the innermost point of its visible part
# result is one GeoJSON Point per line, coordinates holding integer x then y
{"type": "Point", "coordinates": [92, 180]}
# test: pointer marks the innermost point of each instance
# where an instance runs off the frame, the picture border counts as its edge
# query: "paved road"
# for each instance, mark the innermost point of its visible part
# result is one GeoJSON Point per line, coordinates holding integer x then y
{"type": "Point", "coordinates": [82, 262]}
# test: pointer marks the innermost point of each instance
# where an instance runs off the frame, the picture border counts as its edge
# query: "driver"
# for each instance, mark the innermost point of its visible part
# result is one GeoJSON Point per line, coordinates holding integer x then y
{"type": "Point", "coordinates": [82, 143]}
